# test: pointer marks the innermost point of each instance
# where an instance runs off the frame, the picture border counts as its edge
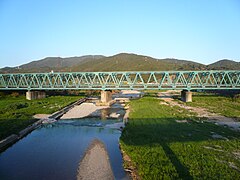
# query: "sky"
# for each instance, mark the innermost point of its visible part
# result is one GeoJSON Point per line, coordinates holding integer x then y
{"type": "Point", "coordinates": [200, 30]}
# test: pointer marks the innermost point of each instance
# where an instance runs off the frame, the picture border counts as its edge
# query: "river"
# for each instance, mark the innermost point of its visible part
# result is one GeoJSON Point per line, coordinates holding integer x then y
{"type": "Point", "coordinates": [54, 151]}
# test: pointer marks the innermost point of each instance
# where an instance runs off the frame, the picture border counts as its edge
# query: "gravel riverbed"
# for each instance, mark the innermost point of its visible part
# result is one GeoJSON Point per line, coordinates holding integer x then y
{"type": "Point", "coordinates": [95, 163]}
{"type": "Point", "coordinates": [82, 110]}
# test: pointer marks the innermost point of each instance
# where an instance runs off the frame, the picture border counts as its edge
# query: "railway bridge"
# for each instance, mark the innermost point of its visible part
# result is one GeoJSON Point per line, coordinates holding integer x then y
{"type": "Point", "coordinates": [37, 83]}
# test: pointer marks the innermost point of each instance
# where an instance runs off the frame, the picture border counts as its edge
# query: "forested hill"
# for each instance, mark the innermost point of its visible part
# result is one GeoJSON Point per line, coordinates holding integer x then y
{"type": "Point", "coordinates": [119, 62]}
{"type": "Point", "coordinates": [224, 64]}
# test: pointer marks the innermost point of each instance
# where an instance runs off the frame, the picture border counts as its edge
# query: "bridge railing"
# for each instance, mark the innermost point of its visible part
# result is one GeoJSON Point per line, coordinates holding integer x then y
{"type": "Point", "coordinates": [122, 80]}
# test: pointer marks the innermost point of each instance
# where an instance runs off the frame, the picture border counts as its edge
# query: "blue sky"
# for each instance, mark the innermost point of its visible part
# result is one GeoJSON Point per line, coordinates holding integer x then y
{"type": "Point", "coordinates": [199, 30]}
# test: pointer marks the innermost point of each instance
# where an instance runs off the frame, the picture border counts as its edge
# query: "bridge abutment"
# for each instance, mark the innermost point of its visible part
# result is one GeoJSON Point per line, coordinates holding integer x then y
{"type": "Point", "coordinates": [186, 96]}
{"type": "Point", "coordinates": [31, 95]}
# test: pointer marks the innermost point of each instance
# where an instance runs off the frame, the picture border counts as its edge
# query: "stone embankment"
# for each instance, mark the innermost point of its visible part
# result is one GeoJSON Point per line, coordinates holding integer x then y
{"type": "Point", "coordinates": [9, 140]}
{"type": "Point", "coordinates": [15, 137]}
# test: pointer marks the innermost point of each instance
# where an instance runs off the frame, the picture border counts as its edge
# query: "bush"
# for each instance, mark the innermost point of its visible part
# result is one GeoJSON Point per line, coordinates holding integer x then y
{"type": "Point", "coordinates": [15, 94]}
{"type": "Point", "coordinates": [2, 94]}
{"type": "Point", "coordinates": [236, 97]}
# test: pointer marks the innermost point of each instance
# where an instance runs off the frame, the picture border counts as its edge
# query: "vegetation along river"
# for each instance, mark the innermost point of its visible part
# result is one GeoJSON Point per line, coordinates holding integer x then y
{"type": "Point", "coordinates": [55, 150]}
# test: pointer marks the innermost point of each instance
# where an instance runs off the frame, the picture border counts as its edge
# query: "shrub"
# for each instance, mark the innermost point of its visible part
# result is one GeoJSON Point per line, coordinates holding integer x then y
{"type": "Point", "coordinates": [15, 94]}
{"type": "Point", "coordinates": [2, 94]}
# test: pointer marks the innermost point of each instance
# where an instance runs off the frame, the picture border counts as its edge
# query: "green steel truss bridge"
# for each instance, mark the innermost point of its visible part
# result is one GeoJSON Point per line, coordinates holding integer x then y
{"type": "Point", "coordinates": [188, 80]}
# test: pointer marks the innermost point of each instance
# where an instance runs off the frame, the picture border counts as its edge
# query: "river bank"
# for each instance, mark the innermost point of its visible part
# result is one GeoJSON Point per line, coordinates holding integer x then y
{"type": "Point", "coordinates": [37, 120]}
{"type": "Point", "coordinates": [171, 142]}
{"type": "Point", "coordinates": [16, 113]}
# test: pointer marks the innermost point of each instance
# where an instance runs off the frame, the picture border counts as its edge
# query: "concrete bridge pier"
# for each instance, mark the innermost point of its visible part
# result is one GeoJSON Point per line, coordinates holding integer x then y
{"type": "Point", "coordinates": [186, 96]}
{"type": "Point", "coordinates": [30, 95]}
{"type": "Point", "coordinates": [106, 96]}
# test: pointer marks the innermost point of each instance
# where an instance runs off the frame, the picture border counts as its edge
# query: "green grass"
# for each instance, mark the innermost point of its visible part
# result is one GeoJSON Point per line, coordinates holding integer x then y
{"type": "Point", "coordinates": [161, 148]}
{"type": "Point", "coordinates": [226, 106]}
{"type": "Point", "coordinates": [16, 112]}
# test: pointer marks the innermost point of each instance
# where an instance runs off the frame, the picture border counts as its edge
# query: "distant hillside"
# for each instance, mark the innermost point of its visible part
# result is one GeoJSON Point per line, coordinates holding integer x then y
{"type": "Point", "coordinates": [52, 63]}
{"type": "Point", "coordinates": [119, 62]}
{"type": "Point", "coordinates": [133, 62]}
{"type": "Point", "coordinates": [224, 64]}
{"type": "Point", "coordinates": [58, 62]}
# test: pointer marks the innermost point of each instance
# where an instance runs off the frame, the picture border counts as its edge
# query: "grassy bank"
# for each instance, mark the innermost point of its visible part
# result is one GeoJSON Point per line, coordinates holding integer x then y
{"type": "Point", "coordinates": [162, 148]}
{"type": "Point", "coordinates": [16, 112]}
{"type": "Point", "coordinates": [224, 105]}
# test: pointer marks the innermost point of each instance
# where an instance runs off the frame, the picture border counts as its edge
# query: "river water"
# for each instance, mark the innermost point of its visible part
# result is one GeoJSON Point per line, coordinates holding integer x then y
{"type": "Point", "coordinates": [54, 151]}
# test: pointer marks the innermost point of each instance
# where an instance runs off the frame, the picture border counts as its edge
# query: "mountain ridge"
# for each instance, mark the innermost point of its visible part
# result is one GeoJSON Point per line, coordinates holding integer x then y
{"type": "Point", "coordinates": [118, 62]}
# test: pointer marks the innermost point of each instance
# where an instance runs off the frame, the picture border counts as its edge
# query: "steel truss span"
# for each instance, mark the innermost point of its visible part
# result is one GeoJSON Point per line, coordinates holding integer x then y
{"type": "Point", "coordinates": [122, 80]}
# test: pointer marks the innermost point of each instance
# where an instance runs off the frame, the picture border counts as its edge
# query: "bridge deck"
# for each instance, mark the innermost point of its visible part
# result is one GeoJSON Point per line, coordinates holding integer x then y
{"type": "Point", "coordinates": [122, 80]}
